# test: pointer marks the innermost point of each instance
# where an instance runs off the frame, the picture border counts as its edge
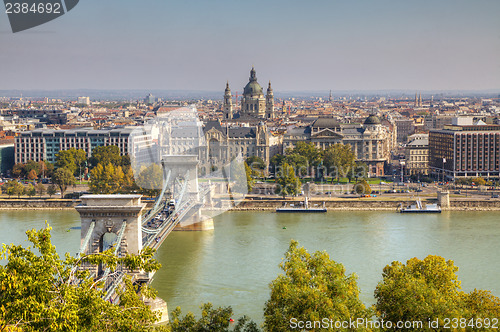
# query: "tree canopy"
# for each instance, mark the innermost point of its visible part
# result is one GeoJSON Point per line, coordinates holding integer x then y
{"type": "Point", "coordinates": [312, 287]}
{"type": "Point", "coordinates": [429, 289]}
{"type": "Point", "coordinates": [42, 292]}
{"type": "Point", "coordinates": [287, 183]}
{"type": "Point", "coordinates": [339, 160]}
{"type": "Point", "coordinates": [71, 159]}
{"type": "Point", "coordinates": [63, 178]}
{"type": "Point", "coordinates": [109, 154]}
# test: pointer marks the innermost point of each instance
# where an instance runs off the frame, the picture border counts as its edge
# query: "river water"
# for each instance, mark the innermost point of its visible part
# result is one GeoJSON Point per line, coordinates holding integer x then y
{"type": "Point", "coordinates": [234, 264]}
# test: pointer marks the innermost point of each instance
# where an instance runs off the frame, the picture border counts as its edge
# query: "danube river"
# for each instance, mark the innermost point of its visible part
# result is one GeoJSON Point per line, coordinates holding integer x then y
{"type": "Point", "coordinates": [233, 264]}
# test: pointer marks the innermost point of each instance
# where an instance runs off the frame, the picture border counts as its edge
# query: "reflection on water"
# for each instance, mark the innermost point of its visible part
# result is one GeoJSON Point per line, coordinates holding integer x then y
{"type": "Point", "coordinates": [233, 264]}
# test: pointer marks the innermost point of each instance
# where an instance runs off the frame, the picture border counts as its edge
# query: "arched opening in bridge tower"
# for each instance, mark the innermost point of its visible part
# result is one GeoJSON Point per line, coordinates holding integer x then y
{"type": "Point", "coordinates": [107, 240]}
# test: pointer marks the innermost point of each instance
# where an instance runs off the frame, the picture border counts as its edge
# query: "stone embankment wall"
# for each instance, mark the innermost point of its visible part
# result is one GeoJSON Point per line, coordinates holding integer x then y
{"type": "Point", "coordinates": [358, 204]}
{"type": "Point", "coordinates": [24, 204]}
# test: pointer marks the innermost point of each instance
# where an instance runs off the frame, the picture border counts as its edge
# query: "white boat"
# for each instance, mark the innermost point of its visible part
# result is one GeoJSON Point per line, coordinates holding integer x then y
{"type": "Point", "coordinates": [418, 207]}
{"type": "Point", "coordinates": [303, 208]}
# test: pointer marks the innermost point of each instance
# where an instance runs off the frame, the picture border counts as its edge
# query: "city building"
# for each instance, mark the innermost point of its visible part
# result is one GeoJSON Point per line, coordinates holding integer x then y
{"type": "Point", "coordinates": [44, 144]}
{"type": "Point", "coordinates": [404, 128]}
{"type": "Point", "coordinates": [465, 149]}
{"type": "Point", "coordinates": [371, 141]}
{"type": "Point", "coordinates": [254, 105]}
{"type": "Point", "coordinates": [84, 100]}
{"type": "Point", "coordinates": [225, 143]}
{"type": "Point", "coordinates": [417, 155]}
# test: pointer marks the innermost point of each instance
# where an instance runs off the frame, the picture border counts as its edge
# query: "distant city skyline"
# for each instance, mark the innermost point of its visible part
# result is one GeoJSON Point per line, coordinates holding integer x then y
{"type": "Point", "coordinates": [299, 46]}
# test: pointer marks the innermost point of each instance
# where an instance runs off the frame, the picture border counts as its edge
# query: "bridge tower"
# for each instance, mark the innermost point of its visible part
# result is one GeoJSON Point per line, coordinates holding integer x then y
{"type": "Point", "coordinates": [107, 219]}
{"type": "Point", "coordinates": [181, 172]}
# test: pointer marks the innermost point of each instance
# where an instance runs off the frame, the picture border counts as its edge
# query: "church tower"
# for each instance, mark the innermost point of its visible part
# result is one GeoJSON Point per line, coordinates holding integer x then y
{"type": "Point", "coordinates": [253, 102]}
{"type": "Point", "coordinates": [228, 103]}
{"type": "Point", "coordinates": [269, 102]}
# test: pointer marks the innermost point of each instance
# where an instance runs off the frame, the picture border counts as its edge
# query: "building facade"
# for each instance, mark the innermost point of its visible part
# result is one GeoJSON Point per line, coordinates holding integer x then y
{"type": "Point", "coordinates": [465, 150]}
{"type": "Point", "coordinates": [417, 155]}
{"type": "Point", "coordinates": [371, 142]}
{"type": "Point", "coordinates": [223, 144]}
{"type": "Point", "coordinates": [44, 144]}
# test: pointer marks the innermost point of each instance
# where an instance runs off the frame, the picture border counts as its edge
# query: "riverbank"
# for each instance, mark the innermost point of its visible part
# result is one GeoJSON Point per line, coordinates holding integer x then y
{"type": "Point", "coordinates": [367, 204]}
{"type": "Point", "coordinates": [38, 204]}
{"type": "Point", "coordinates": [257, 204]}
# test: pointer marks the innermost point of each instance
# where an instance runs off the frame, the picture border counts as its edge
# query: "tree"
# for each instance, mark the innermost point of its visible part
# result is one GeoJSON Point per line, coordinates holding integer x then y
{"type": "Point", "coordinates": [66, 159]}
{"type": "Point", "coordinates": [51, 190]}
{"type": "Point", "coordinates": [276, 161]}
{"type": "Point", "coordinates": [339, 160]}
{"type": "Point", "coordinates": [478, 181]}
{"type": "Point", "coordinates": [362, 188]}
{"type": "Point", "coordinates": [249, 175]}
{"type": "Point", "coordinates": [287, 183]}
{"type": "Point", "coordinates": [18, 189]}
{"type": "Point", "coordinates": [18, 170]}
{"type": "Point", "coordinates": [30, 190]}
{"type": "Point", "coordinates": [429, 289]}
{"type": "Point", "coordinates": [71, 159]}
{"type": "Point", "coordinates": [150, 179]}
{"type": "Point", "coordinates": [41, 292]}
{"type": "Point", "coordinates": [31, 166]}
{"type": "Point", "coordinates": [106, 180]}
{"type": "Point", "coordinates": [106, 155]}
{"type": "Point", "coordinates": [311, 288]}
{"type": "Point", "coordinates": [32, 175]}
{"type": "Point", "coordinates": [40, 189]}
{"type": "Point", "coordinates": [298, 162]}
{"type": "Point", "coordinates": [212, 320]}
{"type": "Point", "coordinates": [312, 154]}
{"type": "Point", "coordinates": [257, 166]}
{"type": "Point", "coordinates": [13, 188]}
{"type": "Point", "coordinates": [63, 178]}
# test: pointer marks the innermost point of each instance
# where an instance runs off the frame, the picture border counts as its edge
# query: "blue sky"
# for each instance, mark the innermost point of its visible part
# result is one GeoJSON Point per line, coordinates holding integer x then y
{"type": "Point", "coordinates": [298, 45]}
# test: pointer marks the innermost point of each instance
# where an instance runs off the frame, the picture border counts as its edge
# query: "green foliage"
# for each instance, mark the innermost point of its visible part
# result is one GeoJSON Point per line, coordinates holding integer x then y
{"type": "Point", "coordinates": [362, 188]}
{"type": "Point", "coordinates": [30, 190]}
{"type": "Point", "coordinates": [250, 177]}
{"type": "Point", "coordinates": [108, 179]}
{"type": "Point", "coordinates": [339, 160]}
{"type": "Point", "coordinates": [216, 320]}
{"type": "Point", "coordinates": [51, 189]}
{"type": "Point", "coordinates": [277, 160]}
{"type": "Point", "coordinates": [256, 163]}
{"type": "Point", "coordinates": [40, 188]}
{"type": "Point", "coordinates": [287, 183]}
{"type": "Point", "coordinates": [150, 179]}
{"type": "Point", "coordinates": [298, 162]}
{"type": "Point", "coordinates": [42, 292]}
{"type": "Point", "coordinates": [71, 159]}
{"type": "Point", "coordinates": [477, 181]}
{"type": "Point", "coordinates": [13, 188]}
{"type": "Point", "coordinates": [107, 155]}
{"type": "Point", "coordinates": [63, 178]}
{"type": "Point", "coordinates": [308, 150]}
{"type": "Point", "coordinates": [429, 289]}
{"type": "Point", "coordinates": [31, 170]}
{"type": "Point", "coordinates": [312, 287]}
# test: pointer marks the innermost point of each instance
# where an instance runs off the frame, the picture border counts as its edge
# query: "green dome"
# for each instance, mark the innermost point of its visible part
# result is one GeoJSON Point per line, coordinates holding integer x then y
{"type": "Point", "coordinates": [372, 120]}
{"type": "Point", "coordinates": [253, 88]}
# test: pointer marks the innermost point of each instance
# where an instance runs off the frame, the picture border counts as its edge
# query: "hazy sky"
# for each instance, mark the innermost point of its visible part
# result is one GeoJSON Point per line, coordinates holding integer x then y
{"type": "Point", "coordinates": [298, 45]}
